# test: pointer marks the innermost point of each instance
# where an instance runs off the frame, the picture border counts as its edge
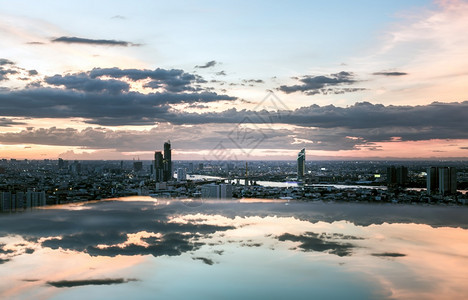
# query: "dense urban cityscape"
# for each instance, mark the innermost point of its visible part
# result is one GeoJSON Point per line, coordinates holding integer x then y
{"type": "Point", "coordinates": [30, 183]}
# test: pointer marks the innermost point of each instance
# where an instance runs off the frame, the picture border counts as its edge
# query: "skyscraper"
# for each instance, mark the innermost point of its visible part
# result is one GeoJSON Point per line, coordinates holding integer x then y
{"type": "Point", "coordinates": [447, 180]}
{"type": "Point", "coordinates": [442, 180]}
{"type": "Point", "coordinates": [158, 166]}
{"type": "Point", "coordinates": [397, 176]}
{"type": "Point", "coordinates": [301, 164]}
{"type": "Point", "coordinates": [167, 161]}
{"type": "Point", "coordinates": [432, 180]}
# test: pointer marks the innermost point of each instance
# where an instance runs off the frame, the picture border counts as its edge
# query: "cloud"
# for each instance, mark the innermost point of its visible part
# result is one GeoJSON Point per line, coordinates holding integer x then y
{"type": "Point", "coordinates": [312, 85]}
{"type": "Point", "coordinates": [82, 82]}
{"type": "Point", "coordinates": [4, 61]}
{"type": "Point", "coordinates": [221, 73]}
{"type": "Point", "coordinates": [119, 17]}
{"type": "Point", "coordinates": [209, 64]}
{"type": "Point", "coordinates": [390, 73]}
{"type": "Point", "coordinates": [104, 97]}
{"type": "Point", "coordinates": [73, 283]}
{"type": "Point", "coordinates": [5, 72]}
{"type": "Point", "coordinates": [32, 72]}
{"type": "Point", "coordinates": [5, 122]}
{"type": "Point", "coordinates": [315, 127]}
{"type": "Point", "coordinates": [252, 82]}
{"type": "Point", "coordinates": [78, 40]}
{"type": "Point", "coordinates": [173, 80]}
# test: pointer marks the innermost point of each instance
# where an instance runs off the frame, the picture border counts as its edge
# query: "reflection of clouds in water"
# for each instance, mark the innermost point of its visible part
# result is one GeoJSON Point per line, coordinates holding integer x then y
{"type": "Point", "coordinates": [388, 254]}
{"type": "Point", "coordinates": [73, 283]}
{"type": "Point", "coordinates": [311, 241]}
{"type": "Point", "coordinates": [107, 233]}
{"type": "Point", "coordinates": [205, 260]}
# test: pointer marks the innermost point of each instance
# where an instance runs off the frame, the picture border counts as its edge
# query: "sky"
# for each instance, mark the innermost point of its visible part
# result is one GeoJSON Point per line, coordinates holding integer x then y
{"type": "Point", "coordinates": [238, 80]}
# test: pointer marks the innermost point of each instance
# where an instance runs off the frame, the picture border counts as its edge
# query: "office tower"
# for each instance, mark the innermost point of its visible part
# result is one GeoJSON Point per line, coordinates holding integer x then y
{"type": "Point", "coordinates": [158, 166]}
{"type": "Point", "coordinates": [167, 161]}
{"type": "Point", "coordinates": [301, 164]}
{"type": "Point", "coordinates": [401, 175]}
{"type": "Point", "coordinates": [432, 180]}
{"type": "Point", "coordinates": [397, 176]}
{"type": "Point", "coordinates": [190, 168]}
{"type": "Point", "coordinates": [181, 174]}
{"type": "Point", "coordinates": [60, 163]}
{"type": "Point", "coordinates": [447, 180]}
{"type": "Point", "coordinates": [200, 166]}
{"type": "Point", "coordinates": [391, 176]}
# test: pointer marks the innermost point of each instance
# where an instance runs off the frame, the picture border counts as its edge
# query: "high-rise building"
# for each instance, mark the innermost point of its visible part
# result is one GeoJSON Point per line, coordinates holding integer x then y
{"type": "Point", "coordinates": [167, 161]}
{"type": "Point", "coordinates": [301, 164]}
{"type": "Point", "coordinates": [158, 166]}
{"type": "Point", "coordinates": [442, 180]}
{"type": "Point", "coordinates": [447, 180]}
{"type": "Point", "coordinates": [397, 176]}
{"type": "Point", "coordinates": [181, 174]}
{"type": "Point", "coordinates": [432, 180]}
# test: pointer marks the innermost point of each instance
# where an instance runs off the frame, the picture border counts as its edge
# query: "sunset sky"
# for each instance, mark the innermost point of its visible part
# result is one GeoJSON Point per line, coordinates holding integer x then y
{"type": "Point", "coordinates": [234, 80]}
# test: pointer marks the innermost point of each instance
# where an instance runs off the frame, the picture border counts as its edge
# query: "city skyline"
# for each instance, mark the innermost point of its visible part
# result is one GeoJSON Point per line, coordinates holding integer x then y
{"type": "Point", "coordinates": [234, 81]}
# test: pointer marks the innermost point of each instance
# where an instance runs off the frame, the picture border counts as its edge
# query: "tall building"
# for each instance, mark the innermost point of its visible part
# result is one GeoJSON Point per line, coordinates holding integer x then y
{"type": "Point", "coordinates": [442, 180]}
{"type": "Point", "coordinates": [301, 164]}
{"type": "Point", "coordinates": [397, 176]}
{"type": "Point", "coordinates": [158, 166]}
{"type": "Point", "coordinates": [167, 161]}
{"type": "Point", "coordinates": [181, 174]}
{"type": "Point", "coordinates": [432, 180]}
{"type": "Point", "coordinates": [447, 180]}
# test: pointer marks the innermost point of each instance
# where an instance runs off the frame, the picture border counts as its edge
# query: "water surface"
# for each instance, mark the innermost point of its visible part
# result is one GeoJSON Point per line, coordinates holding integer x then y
{"type": "Point", "coordinates": [142, 248]}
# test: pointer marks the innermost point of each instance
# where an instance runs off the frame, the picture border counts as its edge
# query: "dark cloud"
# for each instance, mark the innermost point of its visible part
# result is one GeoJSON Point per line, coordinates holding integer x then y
{"type": "Point", "coordinates": [5, 122]}
{"type": "Point", "coordinates": [390, 73]}
{"type": "Point", "coordinates": [29, 250]}
{"type": "Point", "coordinates": [108, 101]}
{"type": "Point", "coordinates": [253, 81]}
{"type": "Point", "coordinates": [389, 254]}
{"type": "Point", "coordinates": [311, 241]}
{"type": "Point", "coordinates": [32, 72]}
{"type": "Point", "coordinates": [4, 61]}
{"type": "Point", "coordinates": [4, 251]}
{"type": "Point", "coordinates": [82, 82]}
{"type": "Point", "coordinates": [4, 260]}
{"type": "Point", "coordinates": [205, 260]}
{"type": "Point", "coordinates": [312, 85]}
{"type": "Point", "coordinates": [73, 283]}
{"type": "Point", "coordinates": [172, 80]}
{"type": "Point", "coordinates": [5, 72]}
{"type": "Point", "coordinates": [78, 40]}
{"type": "Point", "coordinates": [209, 64]}
{"type": "Point", "coordinates": [317, 127]}
{"type": "Point", "coordinates": [221, 73]}
{"type": "Point", "coordinates": [35, 43]}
